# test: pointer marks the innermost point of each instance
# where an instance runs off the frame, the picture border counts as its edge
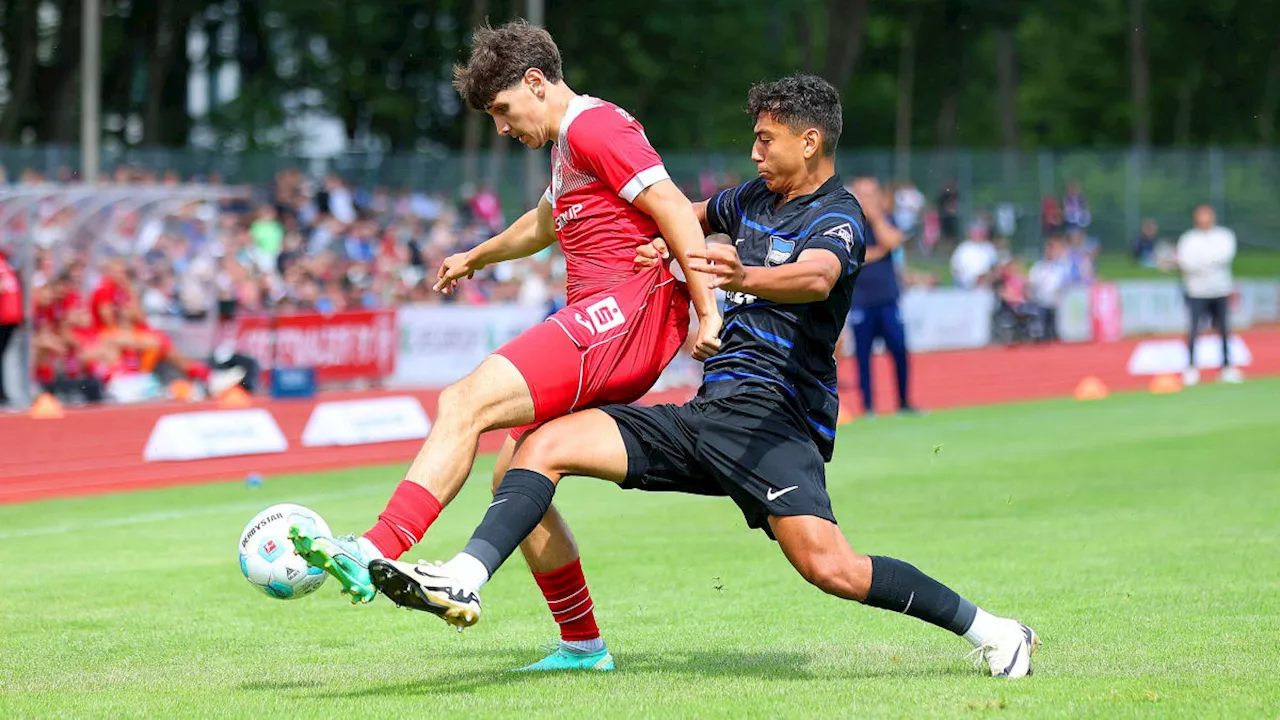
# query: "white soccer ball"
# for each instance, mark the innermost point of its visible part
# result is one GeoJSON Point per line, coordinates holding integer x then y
{"type": "Point", "coordinates": [266, 553]}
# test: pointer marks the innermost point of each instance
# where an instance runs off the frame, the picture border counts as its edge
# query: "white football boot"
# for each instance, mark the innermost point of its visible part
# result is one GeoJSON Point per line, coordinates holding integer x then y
{"type": "Point", "coordinates": [430, 588]}
{"type": "Point", "coordinates": [1009, 655]}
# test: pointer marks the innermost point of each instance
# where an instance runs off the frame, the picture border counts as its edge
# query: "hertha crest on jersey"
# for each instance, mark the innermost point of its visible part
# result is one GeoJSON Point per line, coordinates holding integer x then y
{"type": "Point", "coordinates": [779, 250]}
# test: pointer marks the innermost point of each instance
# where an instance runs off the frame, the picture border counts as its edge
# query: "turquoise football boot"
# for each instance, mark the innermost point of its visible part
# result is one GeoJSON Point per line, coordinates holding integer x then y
{"type": "Point", "coordinates": [566, 658]}
{"type": "Point", "coordinates": [341, 557]}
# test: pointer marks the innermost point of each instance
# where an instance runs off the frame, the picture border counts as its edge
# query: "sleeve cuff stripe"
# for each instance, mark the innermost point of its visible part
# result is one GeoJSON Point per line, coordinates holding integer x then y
{"type": "Point", "coordinates": [642, 180]}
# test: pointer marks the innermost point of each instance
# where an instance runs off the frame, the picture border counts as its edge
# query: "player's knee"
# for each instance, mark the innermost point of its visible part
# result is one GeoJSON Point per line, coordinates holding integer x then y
{"type": "Point", "coordinates": [455, 407]}
{"type": "Point", "coordinates": [546, 452]}
{"type": "Point", "coordinates": [827, 572]}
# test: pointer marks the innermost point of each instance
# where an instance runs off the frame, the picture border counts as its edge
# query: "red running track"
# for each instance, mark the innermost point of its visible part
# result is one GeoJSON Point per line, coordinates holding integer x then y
{"type": "Point", "coordinates": [99, 450]}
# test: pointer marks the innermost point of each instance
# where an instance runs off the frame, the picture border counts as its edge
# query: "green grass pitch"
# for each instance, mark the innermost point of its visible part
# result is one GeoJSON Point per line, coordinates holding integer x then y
{"type": "Point", "coordinates": [1139, 535]}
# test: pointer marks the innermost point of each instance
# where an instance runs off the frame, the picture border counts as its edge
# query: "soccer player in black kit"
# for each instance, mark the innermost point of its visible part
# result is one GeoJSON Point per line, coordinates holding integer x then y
{"type": "Point", "coordinates": [763, 423]}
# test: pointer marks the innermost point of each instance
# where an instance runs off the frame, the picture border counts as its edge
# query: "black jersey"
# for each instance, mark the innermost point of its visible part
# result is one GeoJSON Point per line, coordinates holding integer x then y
{"type": "Point", "coordinates": [789, 348]}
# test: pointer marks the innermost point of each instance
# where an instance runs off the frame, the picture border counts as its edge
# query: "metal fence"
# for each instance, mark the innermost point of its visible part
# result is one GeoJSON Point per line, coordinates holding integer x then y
{"type": "Point", "coordinates": [1123, 187]}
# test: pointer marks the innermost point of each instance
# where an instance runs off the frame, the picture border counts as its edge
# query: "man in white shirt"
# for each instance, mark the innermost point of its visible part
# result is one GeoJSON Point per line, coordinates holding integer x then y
{"type": "Point", "coordinates": [973, 260]}
{"type": "Point", "coordinates": [1204, 257]}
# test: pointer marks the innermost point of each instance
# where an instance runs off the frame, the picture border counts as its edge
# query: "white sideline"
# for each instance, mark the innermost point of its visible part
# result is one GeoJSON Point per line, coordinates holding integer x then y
{"type": "Point", "coordinates": [245, 506]}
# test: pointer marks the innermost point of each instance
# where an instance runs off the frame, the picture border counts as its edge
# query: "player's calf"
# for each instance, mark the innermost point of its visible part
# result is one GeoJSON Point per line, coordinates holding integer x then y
{"type": "Point", "coordinates": [820, 553]}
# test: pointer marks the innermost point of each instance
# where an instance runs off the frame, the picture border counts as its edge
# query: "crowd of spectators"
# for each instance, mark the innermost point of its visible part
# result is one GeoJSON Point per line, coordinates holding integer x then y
{"type": "Point", "coordinates": [103, 281]}
{"type": "Point", "coordinates": [320, 244]}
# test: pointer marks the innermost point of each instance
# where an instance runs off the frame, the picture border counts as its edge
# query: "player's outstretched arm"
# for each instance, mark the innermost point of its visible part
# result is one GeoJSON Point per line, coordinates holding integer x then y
{"type": "Point", "coordinates": [532, 232]}
{"type": "Point", "coordinates": [671, 210]}
{"type": "Point", "coordinates": [808, 279]}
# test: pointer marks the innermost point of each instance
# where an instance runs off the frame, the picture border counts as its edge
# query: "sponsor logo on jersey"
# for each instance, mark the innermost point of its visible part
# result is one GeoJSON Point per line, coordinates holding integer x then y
{"type": "Point", "coordinates": [602, 316]}
{"type": "Point", "coordinates": [568, 216]}
{"type": "Point", "coordinates": [843, 233]}
{"type": "Point", "coordinates": [606, 314]}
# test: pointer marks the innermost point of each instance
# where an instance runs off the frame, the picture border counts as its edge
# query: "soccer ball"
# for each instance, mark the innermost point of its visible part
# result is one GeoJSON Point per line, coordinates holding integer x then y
{"type": "Point", "coordinates": [266, 553]}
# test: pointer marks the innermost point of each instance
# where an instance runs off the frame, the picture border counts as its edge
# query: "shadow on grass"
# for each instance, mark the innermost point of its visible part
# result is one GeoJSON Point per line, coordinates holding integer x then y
{"type": "Point", "coordinates": [491, 669]}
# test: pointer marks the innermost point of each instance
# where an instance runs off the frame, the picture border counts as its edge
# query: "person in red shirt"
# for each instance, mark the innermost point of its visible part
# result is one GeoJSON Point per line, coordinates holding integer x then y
{"type": "Point", "coordinates": [113, 292]}
{"type": "Point", "coordinates": [609, 194]}
{"type": "Point", "coordinates": [11, 313]}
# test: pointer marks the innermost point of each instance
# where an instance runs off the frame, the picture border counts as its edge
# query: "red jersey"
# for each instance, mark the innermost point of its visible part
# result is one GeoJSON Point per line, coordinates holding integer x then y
{"type": "Point", "coordinates": [10, 295]}
{"type": "Point", "coordinates": [599, 164]}
{"type": "Point", "coordinates": [109, 294]}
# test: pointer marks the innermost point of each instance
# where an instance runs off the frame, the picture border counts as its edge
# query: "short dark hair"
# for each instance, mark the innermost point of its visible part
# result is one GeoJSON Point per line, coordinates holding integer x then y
{"type": "Point", "coordinates": [800, 102]}
{"type": "Point", "coordinates": [499, 59]}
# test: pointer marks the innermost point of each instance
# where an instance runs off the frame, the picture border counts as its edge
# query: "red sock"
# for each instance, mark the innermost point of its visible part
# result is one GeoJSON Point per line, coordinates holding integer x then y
{"type": "Point", "coordinates": [410, 511]}
{"type": "Point", "coordinates": [567, 595]}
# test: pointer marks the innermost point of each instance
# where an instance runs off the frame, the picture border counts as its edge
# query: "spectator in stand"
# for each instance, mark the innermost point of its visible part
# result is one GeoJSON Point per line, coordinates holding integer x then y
{"type": "Point", "coordinates": [908, 204]}
{"type": "Point", "coordinates": [974, 260]}
{"type": "Point", "coordinates": [486, 208]}
{"type": "Point", "coordinates": [1050, 216]}
{"type": "Point", "coordinates": [1075, 208]}
{"type": "Point", "coordinates": [336, 200]}
{"type": "Point", "coordinates": [268, 236]}
{"type": "Point", "coordinates": [1015, 318]}
{"type": "Point", "coordinates": [1082, 255]}
{"type": "Point", "coordinates": [1047, 281]}
{"type": "Point", "coordinates": [114, 291]}
{"type": "Point", "coordinates": [1144, 246]}
{"type": "Point", "coordinates": [11, 314]}
{"type": "Point", "coordinates": [1205, 254]}
{"type": "Point", "coordinates": [874, 312]}
{"type": "Point", "coordinates": [949, 213]}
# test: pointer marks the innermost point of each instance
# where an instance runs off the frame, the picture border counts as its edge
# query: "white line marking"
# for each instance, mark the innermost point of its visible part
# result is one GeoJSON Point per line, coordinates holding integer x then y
{"type": "Point", "coordinates": [244, 506]}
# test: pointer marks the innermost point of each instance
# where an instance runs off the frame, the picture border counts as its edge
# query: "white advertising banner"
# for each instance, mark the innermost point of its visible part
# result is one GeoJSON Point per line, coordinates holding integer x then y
{"type": "Point", "coordinates": [214, 433]}
{"type": "Point", "coordinates": [441, 343]}
{"type": "Point", "coordinates": [1157, 357]}
{"type": "Point", "coordinates": [947, 318]}
{"type": "Point", "coordinates": [360, 422]}
{"type": "Point", "coordinates": [1259, 300]}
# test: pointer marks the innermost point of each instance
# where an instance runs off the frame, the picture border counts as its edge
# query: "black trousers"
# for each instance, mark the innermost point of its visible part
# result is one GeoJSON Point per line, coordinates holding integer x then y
{"type": "Point", "coordinates": [6, 334]}
{"type": "Point", "coordinates": [1215, 311]}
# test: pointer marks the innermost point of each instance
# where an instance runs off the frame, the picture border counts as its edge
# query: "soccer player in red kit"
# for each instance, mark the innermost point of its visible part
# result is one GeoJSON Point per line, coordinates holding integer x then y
{"type": "Point", "coordinates": [609, 194]}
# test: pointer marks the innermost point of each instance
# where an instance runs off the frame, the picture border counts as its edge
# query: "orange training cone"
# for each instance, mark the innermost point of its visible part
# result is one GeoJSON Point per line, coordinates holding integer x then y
{"type": "Point", "coordinates": [235, 397]}
{"type": "Point", "coordinates": [1091, 388]}
{"type": "Point", "coordinates": [181, 390]}
{"type": "Point", "coordinates": [1166, 383]}
{"type": "Point", "coordinates": [46, 407]}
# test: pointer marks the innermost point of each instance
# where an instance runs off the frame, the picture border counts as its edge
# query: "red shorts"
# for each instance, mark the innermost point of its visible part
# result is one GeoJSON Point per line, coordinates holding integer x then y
{"type": "Point", "coordinates": [609, 348]}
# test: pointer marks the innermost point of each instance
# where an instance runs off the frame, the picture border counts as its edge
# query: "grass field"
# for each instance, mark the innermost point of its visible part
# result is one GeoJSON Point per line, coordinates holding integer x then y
{"type": "Point", "coordinates": [1250, 263]}
{"type": "Point", "coordinates": [1139, 535]}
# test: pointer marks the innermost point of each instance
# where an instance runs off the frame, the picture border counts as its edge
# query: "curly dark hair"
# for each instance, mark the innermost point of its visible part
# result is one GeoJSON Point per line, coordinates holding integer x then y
{"type": "Point", "coordinates": [499, 59]}
{"type": "Point", "coordinates": [800, 102]}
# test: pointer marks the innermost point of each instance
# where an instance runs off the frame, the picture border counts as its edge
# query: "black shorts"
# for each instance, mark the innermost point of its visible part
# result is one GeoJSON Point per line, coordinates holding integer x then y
{"type": "Point", "coordinates": [747, 447]}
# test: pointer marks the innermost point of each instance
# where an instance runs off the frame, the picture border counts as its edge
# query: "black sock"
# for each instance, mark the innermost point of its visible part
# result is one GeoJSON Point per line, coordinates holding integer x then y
{"type": "Point", "coordinates": [900, 587]}
{"type": "Point", "coordinates": [522, 499]}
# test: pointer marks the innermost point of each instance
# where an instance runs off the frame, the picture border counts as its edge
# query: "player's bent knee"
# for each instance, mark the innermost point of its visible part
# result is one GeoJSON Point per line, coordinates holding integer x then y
{"type": "Point", "coordinates": [546, 452]}
{"type": "Point", "coordinates": [454, 403]}
{"type": "Point", "coordinates": [829, 572]}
